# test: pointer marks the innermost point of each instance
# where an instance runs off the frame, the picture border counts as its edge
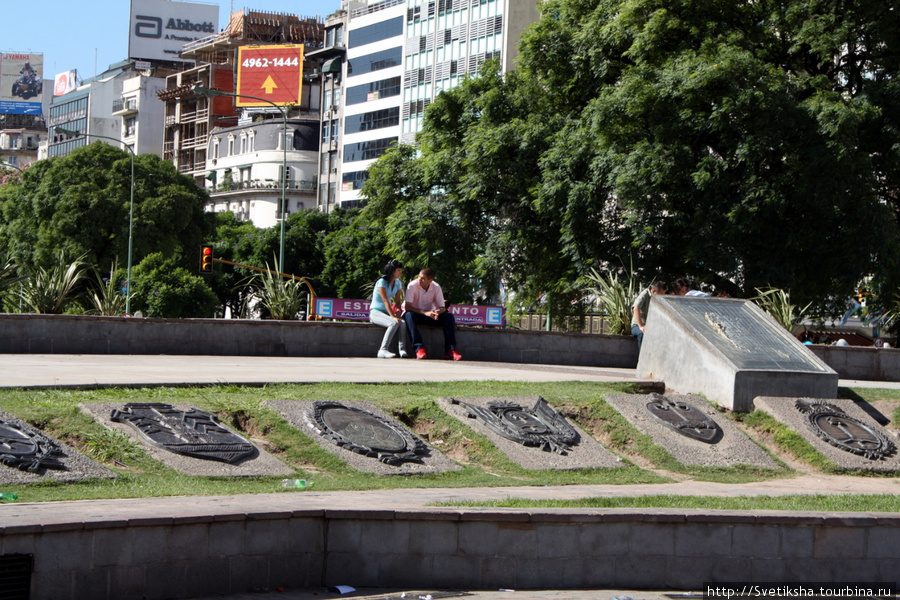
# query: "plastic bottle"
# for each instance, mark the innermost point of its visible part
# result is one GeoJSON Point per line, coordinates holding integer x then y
{"type": "Point", "coordinates": [300, 484]}
{"type": "Point", "coordinates": [8, 496]}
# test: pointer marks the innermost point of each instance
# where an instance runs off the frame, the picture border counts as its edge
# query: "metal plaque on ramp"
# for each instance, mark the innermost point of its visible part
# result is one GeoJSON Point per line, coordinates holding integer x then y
{"type": "Point", "coordinates": [193, 432]}
{"type": "Point", "coordinates": [27, 449]}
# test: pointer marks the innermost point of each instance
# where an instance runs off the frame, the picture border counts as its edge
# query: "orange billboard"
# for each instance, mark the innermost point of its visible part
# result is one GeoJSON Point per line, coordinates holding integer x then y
{"type": "Point", "coordinates": [272, 73]}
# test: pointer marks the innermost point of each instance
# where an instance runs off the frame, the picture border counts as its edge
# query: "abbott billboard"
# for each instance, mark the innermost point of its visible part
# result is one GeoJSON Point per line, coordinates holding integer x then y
{"type": "Point", "coordinates": [160, 28]}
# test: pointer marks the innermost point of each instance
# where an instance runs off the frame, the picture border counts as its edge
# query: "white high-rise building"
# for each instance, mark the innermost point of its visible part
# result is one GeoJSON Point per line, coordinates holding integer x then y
{"type": "Point", "coordinates": [398, 55]}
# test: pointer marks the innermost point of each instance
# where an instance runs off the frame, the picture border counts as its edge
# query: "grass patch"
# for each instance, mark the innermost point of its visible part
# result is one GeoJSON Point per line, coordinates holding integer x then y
{"type": "Point", "coordinates": [605, 423]}
{"type": "Point", "coordinates": [820, 502]}
{"type": "Point", "coordinates": [242, 408]}
{"type": "Point", "coordinates": [788, 440]}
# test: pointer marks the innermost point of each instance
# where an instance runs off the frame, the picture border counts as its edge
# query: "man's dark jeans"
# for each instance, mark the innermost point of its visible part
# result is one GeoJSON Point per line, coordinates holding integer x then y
{"type": "Point", "coordinates": [445, 320]}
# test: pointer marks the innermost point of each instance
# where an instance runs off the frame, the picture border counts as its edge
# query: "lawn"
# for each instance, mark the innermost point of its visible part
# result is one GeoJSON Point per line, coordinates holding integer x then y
{"type": "Point", "coordinates": [57, 413]}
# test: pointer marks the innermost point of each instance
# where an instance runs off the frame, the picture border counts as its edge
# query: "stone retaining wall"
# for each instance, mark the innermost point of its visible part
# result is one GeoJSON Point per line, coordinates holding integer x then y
{"type": "Point", "coordinates": [170, 557]}
{"type": "Point", "coordinates": [65, 334]}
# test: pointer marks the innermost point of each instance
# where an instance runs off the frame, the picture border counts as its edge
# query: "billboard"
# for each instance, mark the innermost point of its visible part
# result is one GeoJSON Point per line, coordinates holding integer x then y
{"type": "Point", "coordinates": [65, 82]}
{"type": "Point", "coordinates": [21, 83]}
{"type": "Point", "coordinates": [273, 73]}
{"type": "Point", "coordinates": [158, 29]}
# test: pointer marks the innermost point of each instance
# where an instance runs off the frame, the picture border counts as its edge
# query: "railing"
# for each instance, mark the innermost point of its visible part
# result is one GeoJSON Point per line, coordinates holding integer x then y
{"type": "Point", "coordinates": [538, 322]}
{"type": "Point", "coordinates": [375, 7]}
{"type": "Point", "coordinates": [120, 105]}
{"type": "Point", "coordinates": [260, 184]}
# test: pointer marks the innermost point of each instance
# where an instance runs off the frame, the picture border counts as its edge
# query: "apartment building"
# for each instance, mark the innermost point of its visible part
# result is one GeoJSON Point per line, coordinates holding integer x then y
{"type": "Point", "coordinates": [20, 136]}
{"type": "Point", "coordinates": [398, 56]}
{"type": "Point", "coordinates": [119, 104]}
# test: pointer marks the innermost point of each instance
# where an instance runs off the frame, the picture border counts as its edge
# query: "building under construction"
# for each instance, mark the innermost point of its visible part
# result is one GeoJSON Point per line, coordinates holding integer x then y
{"type": "Point", "coordinates": [190, 118]}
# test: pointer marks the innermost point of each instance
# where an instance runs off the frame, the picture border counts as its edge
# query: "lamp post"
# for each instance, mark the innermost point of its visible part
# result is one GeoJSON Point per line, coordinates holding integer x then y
{"type": "Point", "coordinates": [3, 164]}
{"type": "Point", "coordinates": [209, 92]}
{"type": "Point", "coordinates": [71, 133]}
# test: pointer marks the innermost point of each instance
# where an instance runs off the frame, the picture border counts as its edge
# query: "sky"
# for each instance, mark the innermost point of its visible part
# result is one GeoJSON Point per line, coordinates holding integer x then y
{"type": "Point", "coordinates": [90, 35]}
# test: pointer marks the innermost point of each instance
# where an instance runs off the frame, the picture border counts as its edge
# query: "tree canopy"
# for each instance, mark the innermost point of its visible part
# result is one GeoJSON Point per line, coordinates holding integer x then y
{"type": "Point", "coordinates": [746, 144]}
{"type": "Point", "coordinates": [79, 204]}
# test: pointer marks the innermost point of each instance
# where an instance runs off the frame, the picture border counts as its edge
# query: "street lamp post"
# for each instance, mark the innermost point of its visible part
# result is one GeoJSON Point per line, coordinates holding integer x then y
{"type": "Point", "coordinates": [209, 92]}
{"type": "Point", "coordinates": [3, 164]}
{"type": "Point", "coordinates": [69, 132]}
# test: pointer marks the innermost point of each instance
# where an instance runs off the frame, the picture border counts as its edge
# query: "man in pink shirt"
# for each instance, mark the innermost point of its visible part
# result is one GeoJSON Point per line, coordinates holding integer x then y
{"type": "Point", "coordinates": [425, 306]}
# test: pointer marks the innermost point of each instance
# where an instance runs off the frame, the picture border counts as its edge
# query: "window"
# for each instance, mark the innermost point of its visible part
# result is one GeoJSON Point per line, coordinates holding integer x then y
{"type": "Point", "coordinates": [373, 91]}
{"type": "Point", "coordinates": [392, 57]}
{"type": "Point", "coordinates": [335, 128]}
{"type": "Point", "coordinates": [337, 97]}
{"type": "Point", "coordinates": [376, 32]}
{"type": "Point", "coordinates": [369, 121]}
{"type": "Point", "coordinates": [230, 145]}
{"type": "Point", "coordinates": [326, 131]}
{"type": "Point", "coordinates": [327, 101]}
{"type": "Point", "coordinates": [353, 181]}
{"type": "Point", "coordinates": [369, 150]}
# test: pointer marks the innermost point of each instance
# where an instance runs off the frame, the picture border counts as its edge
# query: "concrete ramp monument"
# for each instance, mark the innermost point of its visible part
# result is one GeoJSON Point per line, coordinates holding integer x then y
{"type": "Point", "coordinates": [730, 351]}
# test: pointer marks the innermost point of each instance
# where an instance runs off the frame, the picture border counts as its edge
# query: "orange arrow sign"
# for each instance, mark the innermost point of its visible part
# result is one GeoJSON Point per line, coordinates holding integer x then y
{"type": "Point", "coordinates": [269, 85]}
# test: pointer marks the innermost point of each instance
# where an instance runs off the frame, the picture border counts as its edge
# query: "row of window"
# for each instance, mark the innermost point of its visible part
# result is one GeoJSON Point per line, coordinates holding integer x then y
{"type": "Point", "coordinates": [368, 150]}
{"type": "Point", "coordinates": [385, 59]}
{"type": "Point", "coordinates": [375, 90]}
{"type": "Point", "coordinates": [378, 119]}
{"type": "Point", "coordinates": [376, 32]}
{"type": "Point", "coordinates": [441, 6]}
{"type": "Point", "coordinates": [439, 39]}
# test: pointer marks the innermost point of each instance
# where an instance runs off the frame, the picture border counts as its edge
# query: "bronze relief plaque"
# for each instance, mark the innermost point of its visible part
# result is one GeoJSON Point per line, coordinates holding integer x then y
{"type": "Point", "coordinates": [539, 426]}
{"type": "Point", "coordinates": [366, 433]}
{"type": "Point", "coordinates": [193, 432]}
{"type": "Point", "coordinates": [27, 449]}
{"type": "Point", "coordinates": [842, 431]}
{"type": "Point", "coordinates": [683, 418]}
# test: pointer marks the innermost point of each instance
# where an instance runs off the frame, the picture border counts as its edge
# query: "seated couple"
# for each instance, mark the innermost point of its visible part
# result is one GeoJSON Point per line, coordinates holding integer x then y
{"type": "Point", "coordinates": [424, 306]}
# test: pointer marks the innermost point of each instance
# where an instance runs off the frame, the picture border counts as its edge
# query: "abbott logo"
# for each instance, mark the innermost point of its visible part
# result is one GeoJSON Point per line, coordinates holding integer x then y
{"type": "Point", "coordinates": [148, 27]}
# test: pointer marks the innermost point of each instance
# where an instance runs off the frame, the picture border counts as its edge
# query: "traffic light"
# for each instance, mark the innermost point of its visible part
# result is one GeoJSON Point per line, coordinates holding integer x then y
{"type": "Point", "coordinates": [206, 258]}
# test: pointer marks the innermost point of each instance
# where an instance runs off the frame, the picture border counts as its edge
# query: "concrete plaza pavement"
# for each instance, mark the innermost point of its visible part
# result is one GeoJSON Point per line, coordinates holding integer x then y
{"type": "Point", "coordinates": [97, 370]}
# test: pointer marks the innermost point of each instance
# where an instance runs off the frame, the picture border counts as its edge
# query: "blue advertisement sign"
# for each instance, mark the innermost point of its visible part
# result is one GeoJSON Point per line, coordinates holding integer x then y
{"type": "Point", "coordinates": [21, 83]}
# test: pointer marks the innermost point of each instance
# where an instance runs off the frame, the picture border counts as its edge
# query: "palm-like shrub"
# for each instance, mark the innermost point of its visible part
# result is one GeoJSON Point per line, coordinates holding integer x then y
{"type": "Point", "coordinates": [282, 297]}
{"type": "Point", "coordinates": [105, 296]}
{"type": "Point", "coordinates": [614, 295]}
{"type": "Point", "coordinates": [777, 303]}
{"type": "Point", "coordinates": [47, 291]}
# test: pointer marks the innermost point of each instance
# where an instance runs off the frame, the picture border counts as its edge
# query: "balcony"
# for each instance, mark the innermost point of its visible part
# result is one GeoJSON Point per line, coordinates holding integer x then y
{"type": "Point", "coordinates": [263, 184]}
{"type": "Point", "coordinates": [124, 107]}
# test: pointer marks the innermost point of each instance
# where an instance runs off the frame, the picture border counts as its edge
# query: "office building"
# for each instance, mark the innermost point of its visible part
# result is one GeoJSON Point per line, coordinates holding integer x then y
{"type": "Point", "coordinates": [397, 57]}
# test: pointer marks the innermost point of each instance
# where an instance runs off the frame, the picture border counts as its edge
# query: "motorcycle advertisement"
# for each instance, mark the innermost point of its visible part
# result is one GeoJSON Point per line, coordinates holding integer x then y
{"type": "Point", "coordinates": [21, 83]}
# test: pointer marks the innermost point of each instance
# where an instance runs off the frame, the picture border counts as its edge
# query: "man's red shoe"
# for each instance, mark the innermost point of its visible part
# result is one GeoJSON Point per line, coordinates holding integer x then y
{"type": "Point", "coordinates": [453, 355]}
{"type": "Point", "coordinates": [420, 354]}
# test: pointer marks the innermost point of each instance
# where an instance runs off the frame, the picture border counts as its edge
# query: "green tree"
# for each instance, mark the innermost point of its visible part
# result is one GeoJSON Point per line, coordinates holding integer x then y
{"type": "Point", "coordinates": [354, 257]}
{"type": "Point", "coordinates": [164, 289]}
{"type": "Point", "coordinates": [747, 144]}
{"type": "Point", "coordinates": [725, 140]}
{"type": "Point", "coordinates": [79, 204]}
